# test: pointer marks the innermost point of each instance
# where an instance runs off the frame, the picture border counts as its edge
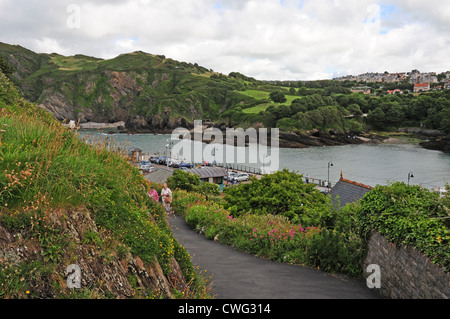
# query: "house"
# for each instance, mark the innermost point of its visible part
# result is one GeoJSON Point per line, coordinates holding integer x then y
{"type": "Point", "coordinates": [395, 91]}
{"type": "Point", "coordinates": [421, 87]}
{"type": "Point", "coordinates": [135, 154]}
{"type": "Point", "coordinates": [361, 89]}
{"type": "Point", "coordinates": [346, 191]}
{"type": "Point", "coordinates": [215, 175]}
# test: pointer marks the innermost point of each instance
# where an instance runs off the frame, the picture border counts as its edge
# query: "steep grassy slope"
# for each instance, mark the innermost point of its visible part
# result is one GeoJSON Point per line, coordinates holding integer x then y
{"type": "Point", "coordinates": [64, 202]}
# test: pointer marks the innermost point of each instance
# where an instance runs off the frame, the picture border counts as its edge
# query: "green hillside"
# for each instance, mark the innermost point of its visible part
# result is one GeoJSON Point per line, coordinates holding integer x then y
{"type": "Point", "coordinates": [61, 205]}
{"type": "Point", "coordinates": [153, 93]}
{"type": "Point", "coordinates": [162, 91]}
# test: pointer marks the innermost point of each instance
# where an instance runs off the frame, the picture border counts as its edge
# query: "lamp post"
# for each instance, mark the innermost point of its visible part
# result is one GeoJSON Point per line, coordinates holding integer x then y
{"type": "Point", "coordinates": [410, 175]}
{"type": "Point", "coordinates": [329, 165]}
{"type": "Point", "coordinates": [167, 154]}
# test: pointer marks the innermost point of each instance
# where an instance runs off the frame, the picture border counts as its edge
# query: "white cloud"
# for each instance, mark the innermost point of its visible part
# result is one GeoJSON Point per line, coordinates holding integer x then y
{"type": "Point", "coordinates": [266, 39]}
{"type": "Point", "coordinates": [47, 45]}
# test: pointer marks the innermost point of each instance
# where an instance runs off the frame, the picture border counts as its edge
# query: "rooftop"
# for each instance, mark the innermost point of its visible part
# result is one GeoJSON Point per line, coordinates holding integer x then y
{"type": "Point", "coordinates": [207, 172]}
{"type": "Point", "coordinates": [346, 191]}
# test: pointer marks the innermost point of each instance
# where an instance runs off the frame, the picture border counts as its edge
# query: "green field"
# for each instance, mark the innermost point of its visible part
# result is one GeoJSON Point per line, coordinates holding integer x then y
{"type": "Point", "coordinates": [257, 109]}
{"type": "Point", "coordinates": [264, 95]}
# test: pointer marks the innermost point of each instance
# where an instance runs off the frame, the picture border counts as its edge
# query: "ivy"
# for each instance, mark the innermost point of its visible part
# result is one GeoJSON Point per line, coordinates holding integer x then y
{"type": "Point", "coordinates": [409, 215]}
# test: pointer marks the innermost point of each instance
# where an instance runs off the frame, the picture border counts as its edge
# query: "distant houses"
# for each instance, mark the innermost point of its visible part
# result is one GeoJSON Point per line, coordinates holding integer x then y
{"type": "Point", "coordinates": [396, 91]}
{"type": "Point", "coordinates": [362, 89]}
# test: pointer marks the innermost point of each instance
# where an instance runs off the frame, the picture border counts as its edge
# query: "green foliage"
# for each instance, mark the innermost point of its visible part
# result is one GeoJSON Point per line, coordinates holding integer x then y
{"type": "Point", "coordinates": [190, 182]}
{"type": "Point", "coordinates": [273, 236]}
{"type": "Point", "coordinates": [5, 67]}
{"type": "Point", "coordinates": [47, 167]}
{"type": "Point", "coordinates": [334, 252]}
{"type": "Point", "coordinates": [183, 180]}
{"type": "Point", "coordinates": [282, 193]}
{"type": "Point", "coordinates": [277, 96]}
{"type": "Point", "coordinates": [208, 189]}
{"type": "Point", "coordinates": [409, 215]}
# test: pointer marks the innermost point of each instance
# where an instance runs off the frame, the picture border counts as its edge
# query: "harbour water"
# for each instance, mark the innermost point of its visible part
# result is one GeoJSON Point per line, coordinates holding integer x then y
{"type": "Point", "coordinates": [372, 165]}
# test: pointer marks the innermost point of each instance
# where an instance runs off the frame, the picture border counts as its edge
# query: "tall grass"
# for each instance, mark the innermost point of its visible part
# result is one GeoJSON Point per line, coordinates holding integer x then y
{"type": "Point", "coordinates": [44, 166]}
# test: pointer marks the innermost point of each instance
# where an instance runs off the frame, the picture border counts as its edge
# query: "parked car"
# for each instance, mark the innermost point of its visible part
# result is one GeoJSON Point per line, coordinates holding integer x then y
{"type": "Point", "coordinates": [175, 163]}
{"type": "Point", "coordinates": [231, 176]}
{"type": "Point", "coordinates": [185, 165]}
{"type": "Point", "coordinates": [241, 177]}
{"type": "Point", "coordinates": [144, 164]}
{"type": "Point", "coordinates": [162, 160]}
{"type": "Point", "coordinates": [147, 168]}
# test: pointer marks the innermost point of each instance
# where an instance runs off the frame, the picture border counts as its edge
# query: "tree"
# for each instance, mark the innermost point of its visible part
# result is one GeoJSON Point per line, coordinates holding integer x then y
{"type": "Point", "coordinates": [355, 110]}
{"type": "Point", "coordinates": [277, 96]}
{"type": "Point", "coordinates": [191, 183]}
{"type": "Point", "coordinates": [183, 180]}
{"type": "Point", "coordinates": [376, 117]}
{"type": "Point", "coordinates": [5, 67]}
{"type": "Point", "coordinates": [281, 193]}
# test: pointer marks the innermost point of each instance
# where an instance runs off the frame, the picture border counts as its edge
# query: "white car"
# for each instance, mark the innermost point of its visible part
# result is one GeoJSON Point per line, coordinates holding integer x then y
{"type": "Point", "coordinates": [146, 168]}
{"type": "Point", "coordinates": [231, 175]}
{"type": "Point", "coordinates": [241, 177]}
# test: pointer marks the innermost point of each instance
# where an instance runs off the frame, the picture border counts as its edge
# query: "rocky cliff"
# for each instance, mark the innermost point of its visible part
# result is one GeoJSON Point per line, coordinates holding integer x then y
{"type": "Point", "coordinates": [104, 272]}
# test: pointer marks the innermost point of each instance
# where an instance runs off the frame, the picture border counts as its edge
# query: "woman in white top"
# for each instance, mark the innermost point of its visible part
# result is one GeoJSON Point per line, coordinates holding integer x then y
{"type": "Point", "coordinates": [166, 196]}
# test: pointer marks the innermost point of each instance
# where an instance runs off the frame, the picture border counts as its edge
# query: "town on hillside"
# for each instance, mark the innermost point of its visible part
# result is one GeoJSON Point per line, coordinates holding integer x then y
{"type": "Point", "coordinates": [422, 82]}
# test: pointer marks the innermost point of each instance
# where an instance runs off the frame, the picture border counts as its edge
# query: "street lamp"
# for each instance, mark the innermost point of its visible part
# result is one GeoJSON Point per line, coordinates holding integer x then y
{"type": "Point", "coordinates": [410, 175]}
{"type": "Point", "coordinates": [167, 154]}
{"type": "Point", "coordinates": [329, 165]}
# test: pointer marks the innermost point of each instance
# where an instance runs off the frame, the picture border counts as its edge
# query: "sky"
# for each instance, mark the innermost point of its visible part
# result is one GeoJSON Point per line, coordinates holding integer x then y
{"type": "Point", "coordinates": [264, 39]}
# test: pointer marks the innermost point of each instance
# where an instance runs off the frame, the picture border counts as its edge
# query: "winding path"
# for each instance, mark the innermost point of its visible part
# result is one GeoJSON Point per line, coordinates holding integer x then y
{"type": "Point", "coordinates": [236, 275]}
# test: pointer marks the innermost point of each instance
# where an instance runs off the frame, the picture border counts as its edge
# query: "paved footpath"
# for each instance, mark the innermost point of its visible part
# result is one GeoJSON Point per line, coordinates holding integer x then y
{"type": "Point", "coordinates": [237, 275]}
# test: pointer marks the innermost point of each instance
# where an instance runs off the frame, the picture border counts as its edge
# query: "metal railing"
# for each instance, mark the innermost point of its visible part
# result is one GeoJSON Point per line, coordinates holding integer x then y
{"type": "Point", "coordinates": [253, 170]}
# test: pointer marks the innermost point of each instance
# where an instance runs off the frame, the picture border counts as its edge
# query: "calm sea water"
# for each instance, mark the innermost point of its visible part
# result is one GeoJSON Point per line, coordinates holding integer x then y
{"type": "Point", "coordinates": [368, 164]}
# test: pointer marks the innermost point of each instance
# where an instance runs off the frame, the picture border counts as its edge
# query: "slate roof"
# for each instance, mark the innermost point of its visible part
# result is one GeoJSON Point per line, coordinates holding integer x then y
{"type": "Point", "coordinates": [348, 191]}
{"type": "Point", "coordinates": [159, 176]}
{"type": "Point", "coordinates": [207, 172]}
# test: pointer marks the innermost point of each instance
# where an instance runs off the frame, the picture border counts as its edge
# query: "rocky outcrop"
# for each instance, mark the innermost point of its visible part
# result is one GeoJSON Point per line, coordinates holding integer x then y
{"type": "Point", "coordinates": [437, 144]}
{"type": "Point", "coordinates": [155, 124]}
{"type": "Point", "coordinates": [57, 104]}
{"type": "Point", "coordinates": [317, 138]}
{"type": "Point", "coordinates": [103, 271]}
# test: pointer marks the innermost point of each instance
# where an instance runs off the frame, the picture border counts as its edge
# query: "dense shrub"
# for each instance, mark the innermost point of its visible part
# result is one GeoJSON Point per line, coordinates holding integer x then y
{"type": "Point", "coordinates": [282, 193]}
{"type": "Point", "coordinates": [409, 215]}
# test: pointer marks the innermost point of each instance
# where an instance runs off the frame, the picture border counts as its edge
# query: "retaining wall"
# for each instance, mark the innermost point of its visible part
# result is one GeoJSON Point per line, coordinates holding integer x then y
{"type": "Point", "coordinates": [405, 272]}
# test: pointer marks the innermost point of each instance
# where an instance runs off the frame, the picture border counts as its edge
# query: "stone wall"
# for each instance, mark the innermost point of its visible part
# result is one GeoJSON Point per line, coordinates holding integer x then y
{"type": "Point", "coordinates": [405, 272]}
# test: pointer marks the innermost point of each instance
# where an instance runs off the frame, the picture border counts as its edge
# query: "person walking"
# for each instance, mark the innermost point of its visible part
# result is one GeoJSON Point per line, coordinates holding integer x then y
{"type": "Point", "coordinates": [166, 196]}
{"type": "Point", "coordinates": [153, 194]}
